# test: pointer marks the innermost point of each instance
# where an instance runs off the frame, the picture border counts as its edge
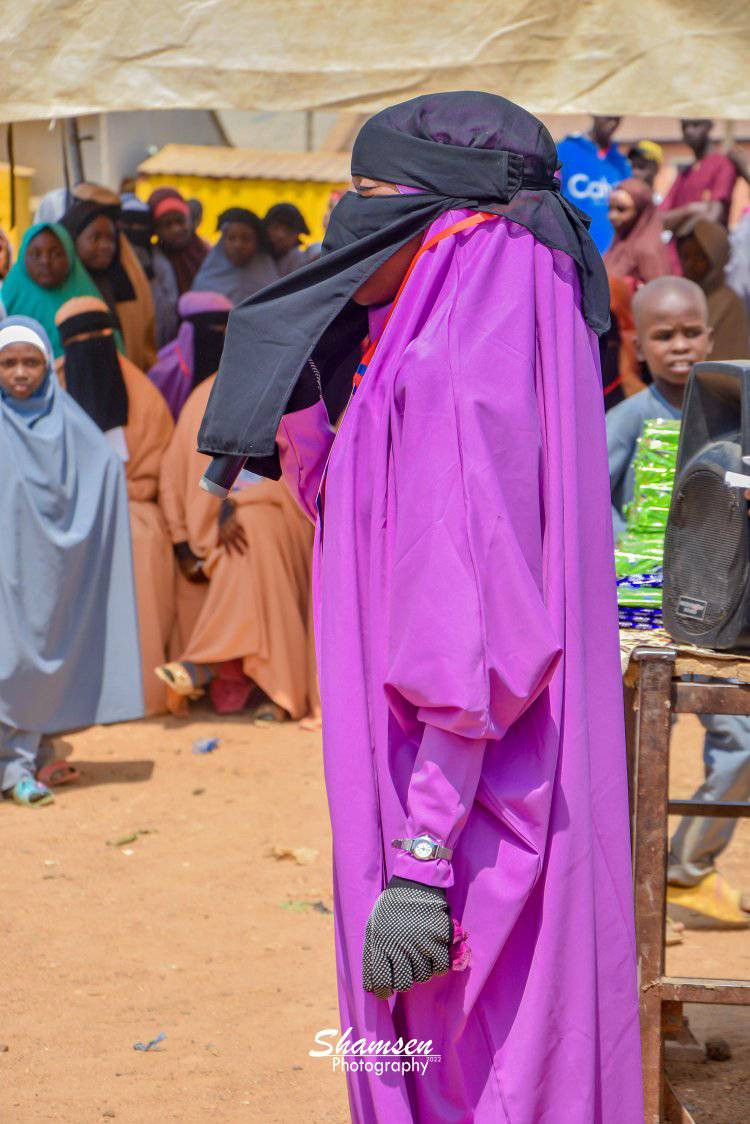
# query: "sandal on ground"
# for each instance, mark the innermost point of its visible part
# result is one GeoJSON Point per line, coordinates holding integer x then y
{"type": "Point", "coordinates": [29, 792]}
{"type": "Point", "coordinates": [269, 714]}
{"type": "Point", "coordinates": [179, 679]}
{"type": "Point", "coordinates": [711, 903]}
{"type": "Point", "coordinates": [56, 773]}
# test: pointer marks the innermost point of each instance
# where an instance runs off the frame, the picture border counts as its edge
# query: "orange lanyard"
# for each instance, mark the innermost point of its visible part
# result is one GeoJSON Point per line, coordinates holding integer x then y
{"type": "Point", "coordinates": [472, 220]}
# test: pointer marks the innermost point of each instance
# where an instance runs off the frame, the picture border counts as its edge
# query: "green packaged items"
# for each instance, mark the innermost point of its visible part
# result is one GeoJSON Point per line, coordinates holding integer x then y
{"type": "Point", "coordinates": [640, 551]}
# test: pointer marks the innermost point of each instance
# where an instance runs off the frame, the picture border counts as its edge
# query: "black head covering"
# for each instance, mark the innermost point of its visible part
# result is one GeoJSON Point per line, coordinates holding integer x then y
{"type": "Point", "coordinates": [113, 283]}
{"type": "Point", "coordinates": [208, 341]}
{"type": "Point", "coordinates": [459, 150]}
{"type": "Point", "coordinates": [238, 214]}
{"type": "Point", "coordinates": [288, 215]}
{"type": "Point", "coordinates": [93, 375]}
{"type": "Point", "coordinates": [246, 218]}
{"type": "Point", "coordinates": [137, 226]}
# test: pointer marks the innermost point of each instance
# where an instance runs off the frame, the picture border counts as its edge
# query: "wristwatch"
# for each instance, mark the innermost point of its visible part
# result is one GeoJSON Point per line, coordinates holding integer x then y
{"type": "Point", "coordinates": [424, 848]}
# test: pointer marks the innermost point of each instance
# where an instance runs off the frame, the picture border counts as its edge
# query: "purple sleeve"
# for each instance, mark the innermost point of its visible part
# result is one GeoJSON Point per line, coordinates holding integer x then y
{"type": "Point", "coordinates": [471, 645]}
{"type": "Point", "coordinates": [304, 440]}
{"type": "Point", "coordinates": [441, 792]}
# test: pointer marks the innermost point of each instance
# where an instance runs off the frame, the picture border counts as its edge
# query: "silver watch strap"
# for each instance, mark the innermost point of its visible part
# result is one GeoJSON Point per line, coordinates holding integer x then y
{"type": "Point", "coordinates": [441, 852]}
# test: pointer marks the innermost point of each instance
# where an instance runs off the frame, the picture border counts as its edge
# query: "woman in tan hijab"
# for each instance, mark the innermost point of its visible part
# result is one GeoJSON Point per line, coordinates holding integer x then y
{"type": "Point", "coordinates": [252, 556]}
{"type": "Point", "coordinates": [93, 222]}
{"type": "Point", "coordinates": [637, 252]}
{"type": "Point", "coordinates": [136, 420]}
{"type": "Point", "coordinates": [703, 249]}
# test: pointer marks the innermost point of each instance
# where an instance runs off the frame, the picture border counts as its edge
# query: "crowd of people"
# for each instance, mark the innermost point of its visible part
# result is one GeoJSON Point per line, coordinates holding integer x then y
{"type": "Point", "coordinates": [127, 590]}
{"type": "Point", "coordinates": [643, 236]}
{"type": "Point", "coordinates": [132, 590]}
{"type": "Point", "coordinates": [680, 294]}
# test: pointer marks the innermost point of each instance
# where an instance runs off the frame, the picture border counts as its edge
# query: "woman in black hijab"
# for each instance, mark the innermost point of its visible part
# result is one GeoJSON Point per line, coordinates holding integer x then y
{"type": "Point", "coordinates": [240, 263]}
{"type": "Point", "coordinates": [93, 228]}
{"type": "Point", "coordinates": [465, 614]}
{"type": "Point", "coordinates": [93, 222]}
{"type": "Point", "coordinates": [492, 156]}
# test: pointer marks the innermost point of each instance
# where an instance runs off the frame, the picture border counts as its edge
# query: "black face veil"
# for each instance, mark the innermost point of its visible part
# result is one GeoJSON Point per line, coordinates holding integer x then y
{"type": "Point", "coordinates": [93, 376]}
{"type": "Point", "coordinates": [459, 150]}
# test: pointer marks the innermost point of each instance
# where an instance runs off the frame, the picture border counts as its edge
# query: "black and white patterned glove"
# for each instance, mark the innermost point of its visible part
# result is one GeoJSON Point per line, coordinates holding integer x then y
{"type": "Point", "coordinates": [407, 939]}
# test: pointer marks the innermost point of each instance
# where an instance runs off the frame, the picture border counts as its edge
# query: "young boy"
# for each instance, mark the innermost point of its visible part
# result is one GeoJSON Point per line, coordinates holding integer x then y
{"type": "Point", "coordinates": [672, 332]}
{"type": "Point", "coordinates": [671, 322]}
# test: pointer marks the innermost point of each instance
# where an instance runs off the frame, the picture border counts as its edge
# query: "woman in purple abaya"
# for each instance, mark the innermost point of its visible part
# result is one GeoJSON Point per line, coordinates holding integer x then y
{"type": "Point", "coordinates": [466, 625]}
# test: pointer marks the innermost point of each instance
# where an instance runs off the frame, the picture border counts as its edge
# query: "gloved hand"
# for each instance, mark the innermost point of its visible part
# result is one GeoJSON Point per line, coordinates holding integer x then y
{"type": "Point", "coordinates": [407, 939]}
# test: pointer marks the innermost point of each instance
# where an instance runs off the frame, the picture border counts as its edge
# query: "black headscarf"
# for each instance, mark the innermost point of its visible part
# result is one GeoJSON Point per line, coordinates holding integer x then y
{"type": "Point", "coordinates": [287, 215]}
{"type": "Point", "coordinates": [460, 150]}
{"type": "Point", "coordinates": [246, 218]}
{"type": "Point", "coordinates": [113, 283]}
{"type": "Point", "coordinates": [93, 375]}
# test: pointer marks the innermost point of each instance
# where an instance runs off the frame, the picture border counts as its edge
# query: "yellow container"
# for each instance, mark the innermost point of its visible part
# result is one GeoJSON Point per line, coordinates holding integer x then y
{"type": "Point", "coordinates": [256, 195]}
{"type": "Point", "coordinates": [23, 202]}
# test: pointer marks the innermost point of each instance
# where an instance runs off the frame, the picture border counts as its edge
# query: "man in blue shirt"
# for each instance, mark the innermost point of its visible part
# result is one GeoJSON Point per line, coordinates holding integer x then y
{"type": "Point", "coordinates": [591, 166]}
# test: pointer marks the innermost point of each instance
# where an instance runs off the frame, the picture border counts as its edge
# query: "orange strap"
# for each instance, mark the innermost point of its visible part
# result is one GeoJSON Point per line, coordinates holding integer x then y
{"type": "Point", "coordinates": [472, 220]}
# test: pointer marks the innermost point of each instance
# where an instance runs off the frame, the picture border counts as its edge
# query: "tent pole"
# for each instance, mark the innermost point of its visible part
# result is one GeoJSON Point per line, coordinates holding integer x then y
{"type": "Point", "coordinates": [12, 173]}
{"type": "Point", "coordinates": [74, 149]}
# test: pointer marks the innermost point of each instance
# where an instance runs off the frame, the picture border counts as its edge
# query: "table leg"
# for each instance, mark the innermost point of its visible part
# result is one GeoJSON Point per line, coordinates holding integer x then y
{"type": "Point", "coordinates": [650, 841]}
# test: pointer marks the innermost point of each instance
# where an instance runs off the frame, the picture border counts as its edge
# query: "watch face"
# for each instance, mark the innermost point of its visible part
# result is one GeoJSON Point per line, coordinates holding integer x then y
{"type": "Point", "coordinates": [423, 849]}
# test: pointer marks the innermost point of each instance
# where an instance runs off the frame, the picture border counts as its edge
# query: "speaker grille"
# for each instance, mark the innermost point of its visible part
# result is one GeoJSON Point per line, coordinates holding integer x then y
{"type": "Point", "coordinates": [705, 551]}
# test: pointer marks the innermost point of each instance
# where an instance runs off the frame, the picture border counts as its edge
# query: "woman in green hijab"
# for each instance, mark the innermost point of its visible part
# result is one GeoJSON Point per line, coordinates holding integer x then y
{"type": "Point", "coordinates": [47, 273]}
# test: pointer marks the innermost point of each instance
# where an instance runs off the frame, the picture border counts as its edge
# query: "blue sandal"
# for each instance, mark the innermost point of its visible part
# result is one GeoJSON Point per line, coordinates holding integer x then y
{"type": "Point", "coordinates": [30, 792]}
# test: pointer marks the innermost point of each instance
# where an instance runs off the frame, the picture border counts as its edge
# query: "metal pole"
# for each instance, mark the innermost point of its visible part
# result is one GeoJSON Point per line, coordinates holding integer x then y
{"type": "Point", "coordinates": [74, 150]}
{"type": "Point", "coordinates": [12, 174]}
{"type": "Point", "coordinates": [309, 130]}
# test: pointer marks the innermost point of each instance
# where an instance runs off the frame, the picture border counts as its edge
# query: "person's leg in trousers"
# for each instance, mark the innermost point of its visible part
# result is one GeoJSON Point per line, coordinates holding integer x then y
{"type": "Point", "coordinates": [19, 750]}
{"type": "Point", "coordinates": [699, 840]}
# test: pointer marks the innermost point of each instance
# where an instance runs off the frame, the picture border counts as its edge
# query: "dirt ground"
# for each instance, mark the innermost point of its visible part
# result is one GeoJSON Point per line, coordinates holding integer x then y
{"type": "Point", "coordinates": [194, 930]}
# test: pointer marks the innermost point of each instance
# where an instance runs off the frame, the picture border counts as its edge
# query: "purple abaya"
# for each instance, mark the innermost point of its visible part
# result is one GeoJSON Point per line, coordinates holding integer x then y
{"type": "Point", "coordinates": [470, 683]}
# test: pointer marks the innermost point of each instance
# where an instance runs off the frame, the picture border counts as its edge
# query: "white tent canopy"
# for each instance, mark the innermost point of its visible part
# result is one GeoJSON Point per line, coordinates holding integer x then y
{"type": "Point", "coordinates": [663, 57]}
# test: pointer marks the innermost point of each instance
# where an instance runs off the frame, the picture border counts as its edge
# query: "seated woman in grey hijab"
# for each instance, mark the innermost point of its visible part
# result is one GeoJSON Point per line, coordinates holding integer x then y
{"type": "Point", "coordinates": [69, 655]}
{"type": "Point", "coordinates": [240, 263]}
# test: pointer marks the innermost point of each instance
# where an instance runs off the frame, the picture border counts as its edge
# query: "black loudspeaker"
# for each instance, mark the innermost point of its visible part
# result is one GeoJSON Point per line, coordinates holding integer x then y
{"type": "Point", "coordinates": [707, 545]}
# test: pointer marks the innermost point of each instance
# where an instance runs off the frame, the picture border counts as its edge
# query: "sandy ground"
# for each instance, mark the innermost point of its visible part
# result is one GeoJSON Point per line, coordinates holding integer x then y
{"type": "Point", "coordinates": [194, 930]}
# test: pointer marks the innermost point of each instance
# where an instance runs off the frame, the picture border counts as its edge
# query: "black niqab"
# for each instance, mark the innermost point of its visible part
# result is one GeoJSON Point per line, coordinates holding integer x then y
{"type": "Point", "coordinates": [459, 150]}
{"type": "Point", "coordinates": [93, 375]}
{"type": "Point", "coordinates": [208, 340]}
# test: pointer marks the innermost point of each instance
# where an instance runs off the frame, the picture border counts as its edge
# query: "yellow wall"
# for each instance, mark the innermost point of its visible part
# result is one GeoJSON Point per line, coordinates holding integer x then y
{"type": "Point", "coordinates": [23, 204]}
{"type": "Point", "coordinates": [257, 195]}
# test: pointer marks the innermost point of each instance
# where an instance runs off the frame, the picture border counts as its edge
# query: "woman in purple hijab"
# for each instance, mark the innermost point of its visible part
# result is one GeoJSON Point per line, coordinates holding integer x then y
{"type": "Point", "coordinates": [467, 631]}
{"type": "Point", "coordinates": [195, 353]}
